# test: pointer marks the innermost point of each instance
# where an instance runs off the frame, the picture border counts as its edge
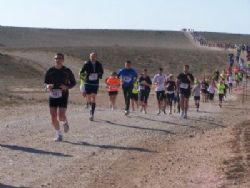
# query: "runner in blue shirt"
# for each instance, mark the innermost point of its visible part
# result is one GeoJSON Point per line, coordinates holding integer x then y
{"type": "Point", "coordinates": [128, 76]}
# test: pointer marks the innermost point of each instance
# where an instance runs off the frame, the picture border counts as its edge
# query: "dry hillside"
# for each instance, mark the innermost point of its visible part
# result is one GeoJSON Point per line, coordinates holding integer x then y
{"type": "Point", "coordinates": [226, 37]}
{"type": "Point", "coordinates": [31, 37]}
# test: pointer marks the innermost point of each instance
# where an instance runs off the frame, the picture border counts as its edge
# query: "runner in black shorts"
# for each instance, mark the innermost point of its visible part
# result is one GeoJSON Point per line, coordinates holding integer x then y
{"type": "Point", "coordinates": [144, 90]}
{"type": "Point", "coordinates": [185, 80]}
{"type": "Point", "coordinates": [204, 92]}
{"type": "Point", "coordinates": [94, 71]}
{"type": "Point", "coordinates": [159, 81]}
{"type": "Point", "coordinates": [170, 91]}
{"type": "Point", "coordinates": [59, 79]}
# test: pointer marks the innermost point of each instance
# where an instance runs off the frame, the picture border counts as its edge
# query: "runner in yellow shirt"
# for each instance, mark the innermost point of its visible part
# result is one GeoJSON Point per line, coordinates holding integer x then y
{"type": "Point", "coordinates": [221, 91]}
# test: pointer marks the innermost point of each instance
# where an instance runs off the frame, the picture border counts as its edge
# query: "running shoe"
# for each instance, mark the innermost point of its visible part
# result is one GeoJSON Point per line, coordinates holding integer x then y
{"type": "Point", "coordinates": [141, 109]}
{"type": "Point", "coordinates": [185, 116]}
{"type": "Point", "coordinates": [159, 112]}
{"type": "Point", "coordinates": [66, 127]}
{"type": "Point", "coordinates": [87, 106]}
{"type": "Point", "coordinates": [91, 118]}
{"type": "Point", "coordinates": [126, 112]}
{"type": "Point", "coordinates": [182, 114]}
{"type": "Point", "coordinates": [58, 138]}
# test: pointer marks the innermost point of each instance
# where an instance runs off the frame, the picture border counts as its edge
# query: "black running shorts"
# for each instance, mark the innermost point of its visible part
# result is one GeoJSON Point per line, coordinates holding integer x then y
{"type": "Point", "coordinates": [91, 89]}
{"type": "Point", "coordinates": [61, 102]}
{"type": "Point", "coordinates": [160, 95]}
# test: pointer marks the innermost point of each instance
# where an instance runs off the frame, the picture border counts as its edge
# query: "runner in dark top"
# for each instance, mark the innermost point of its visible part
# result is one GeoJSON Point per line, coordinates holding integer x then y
{"type": "Point", "coordinates": [94, 72]}
{"type": "Point", "coordinates": [59, 79]}
{"type": "Point", "coordinates": [185, 80]}
{"type": "Point", "coordinates": [204, 92]}
{"type": "Point", "coordinates": [144, 90]}
{"type": "Point", "coordinates": [170, 91]}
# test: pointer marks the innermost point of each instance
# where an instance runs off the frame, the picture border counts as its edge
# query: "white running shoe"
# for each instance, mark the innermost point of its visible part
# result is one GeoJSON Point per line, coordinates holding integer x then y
{"type": "Point", "coordinates": [126, 112]}
{"type": "Point", "coordinates": [58, 138]}
{"type": "Point", "coordinates": [182, 114]}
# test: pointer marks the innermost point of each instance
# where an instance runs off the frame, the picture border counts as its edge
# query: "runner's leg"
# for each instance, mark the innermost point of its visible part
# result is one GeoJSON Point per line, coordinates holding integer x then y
{"type": "Point", "coordinates": [55, 123]}
{"type": "Point", "coordinates": [63, 118]}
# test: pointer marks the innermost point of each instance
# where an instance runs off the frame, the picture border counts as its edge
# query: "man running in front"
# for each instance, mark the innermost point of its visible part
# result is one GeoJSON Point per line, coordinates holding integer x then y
{"type": "Point", "coordinates": [184, 82]}
{"type": "Point", "coordinates": [59, 79]}
{"type": "Point", "coordinates": [94, 72]}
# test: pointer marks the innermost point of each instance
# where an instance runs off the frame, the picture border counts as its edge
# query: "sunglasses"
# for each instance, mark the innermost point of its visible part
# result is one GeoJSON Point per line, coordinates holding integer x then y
{"type": "Point", "coordinates": [58, 58]}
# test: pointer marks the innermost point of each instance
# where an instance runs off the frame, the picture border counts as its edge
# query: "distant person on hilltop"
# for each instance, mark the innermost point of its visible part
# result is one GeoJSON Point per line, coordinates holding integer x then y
{"type": "Point", "coordinates": [94, 72]}
{"type": "Point", "coordinates": [128, 76]}
{"type": "Point", "coordinates": [59, 79]}
{"type": "Point", "coordinates": [184, 83]}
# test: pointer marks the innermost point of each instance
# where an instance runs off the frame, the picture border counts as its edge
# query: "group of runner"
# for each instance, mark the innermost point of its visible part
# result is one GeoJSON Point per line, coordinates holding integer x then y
{"type": "Point", "coordinates": [170, 90]}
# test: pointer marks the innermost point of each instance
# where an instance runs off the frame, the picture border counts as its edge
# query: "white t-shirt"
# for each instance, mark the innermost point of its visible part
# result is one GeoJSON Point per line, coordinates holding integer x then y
{"type": "Point", "coordinates": [159, 81]}
{"type": "Point", "coordinates": [230, 79]}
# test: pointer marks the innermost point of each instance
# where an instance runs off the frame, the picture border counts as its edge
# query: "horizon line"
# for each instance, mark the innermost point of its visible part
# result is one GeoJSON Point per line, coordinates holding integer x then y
{"type": "Point", "coordinates": [115, 29]}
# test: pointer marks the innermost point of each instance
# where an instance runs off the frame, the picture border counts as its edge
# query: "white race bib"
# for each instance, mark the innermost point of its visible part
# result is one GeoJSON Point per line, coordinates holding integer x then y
{"type": "Point", "coordinates": [93, 76]}
{"type": "Point", "coordinates": [170, 92]}
{"type": "Point", "coordinates": [127, 79]}
{"type": "Point", "coordinates": [56, 93]}
{"type": "Point", "coordinates": [184, 86]}
{"type": "Point", "coordinates": [142, 87]}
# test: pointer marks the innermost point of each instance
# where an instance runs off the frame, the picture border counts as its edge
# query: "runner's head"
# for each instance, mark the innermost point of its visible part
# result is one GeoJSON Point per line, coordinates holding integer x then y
{"type": "Point", "coordinates": [145, 72]}
{"type": "Point", "coordinates": [160, 70]}
{"type": "Point", "coordinates": [113, 74]}
{"type": "Point", "coordinates": [93, 57]}
{"type": "Point", "coordinates": [59, 59]}
{"type": "Point", "coordinates": [186, 68]}
{"type": "Point", "coordinates": [128, 64]}
{"type": "Point", "coordinates": [171, 77]}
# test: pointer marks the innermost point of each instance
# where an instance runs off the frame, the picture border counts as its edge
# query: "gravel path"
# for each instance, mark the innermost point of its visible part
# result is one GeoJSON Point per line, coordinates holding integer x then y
{"type": "Point", "coordinates": [141, 150]}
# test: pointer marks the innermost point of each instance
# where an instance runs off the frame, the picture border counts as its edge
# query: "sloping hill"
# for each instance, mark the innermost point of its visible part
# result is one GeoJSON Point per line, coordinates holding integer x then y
{"type": "Point", "coordinates": [18, 72]}
{"type": "Point", "coordinates": [17, 37]}
{"type": "Point", "coordinates": [226, 37]}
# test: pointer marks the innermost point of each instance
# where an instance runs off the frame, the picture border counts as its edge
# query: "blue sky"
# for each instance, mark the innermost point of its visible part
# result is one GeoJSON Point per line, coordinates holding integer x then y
{"type": "Point", "coordinates": [202, 15]}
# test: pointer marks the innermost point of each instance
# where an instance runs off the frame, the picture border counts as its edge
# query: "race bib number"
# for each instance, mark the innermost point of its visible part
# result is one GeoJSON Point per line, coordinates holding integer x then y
{"type": "Point", "coordinates": [127, 79]}
{"type": "Point", "coordinates": [184, 86]}
{"type": "Point", "coordinates": [56, 93]}
{"type": "Point", "coordinates": [170, 92]}
{"type": "Point", "coordinates": [93, 76]}
{"type": "Point", "coordinates": [141, 87]}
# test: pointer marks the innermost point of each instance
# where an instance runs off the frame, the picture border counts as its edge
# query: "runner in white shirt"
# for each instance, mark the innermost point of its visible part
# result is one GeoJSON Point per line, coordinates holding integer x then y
{"type": "Point", "coordinates": [159, 81]}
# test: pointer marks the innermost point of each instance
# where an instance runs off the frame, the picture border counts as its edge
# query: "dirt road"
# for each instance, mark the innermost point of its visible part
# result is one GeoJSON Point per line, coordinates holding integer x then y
{"type": "Point", "coordinates": [210, 149]}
